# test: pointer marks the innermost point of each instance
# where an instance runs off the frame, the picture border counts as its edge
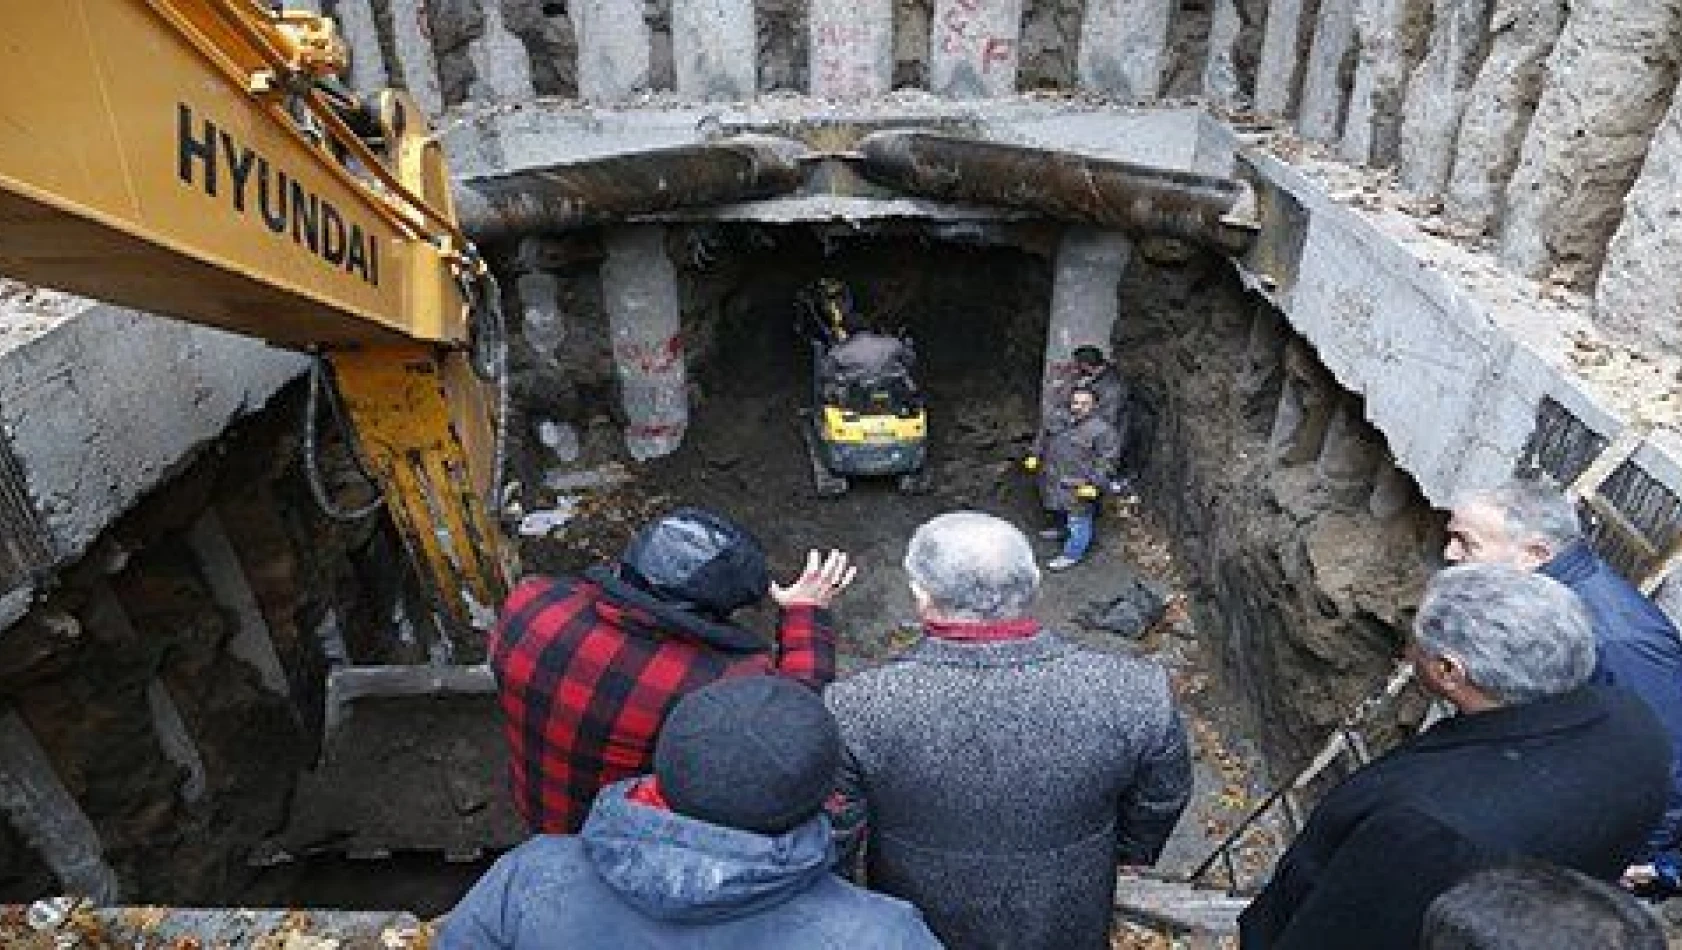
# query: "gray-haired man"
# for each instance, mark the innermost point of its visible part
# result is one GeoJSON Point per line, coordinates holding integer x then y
{"type": "Point", "coordinates": [1533, 526]}
{"type": "Point", "coordinates": [1005, 771]}
{"type": "Point", "coordinates": [1538, 762]}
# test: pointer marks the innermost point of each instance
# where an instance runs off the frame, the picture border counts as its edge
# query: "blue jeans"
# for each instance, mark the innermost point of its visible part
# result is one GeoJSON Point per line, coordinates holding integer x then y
{"type": "Point", "coordinates": [1079, 525]}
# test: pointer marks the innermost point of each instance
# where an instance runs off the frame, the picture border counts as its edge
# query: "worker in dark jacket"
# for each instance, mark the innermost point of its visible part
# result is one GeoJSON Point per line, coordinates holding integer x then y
{"type": "Point", "coordinates": [1092, 370]}
{"type": "Point", "coordinates": [866, 355]}
{"type": "Point", "coordinates": [725, 846]}
{"type": "Point", "coordinates": [1074, 455]}
{"type": "Point", "coordinates": [1003, 771]}
{"type": "Point", "coordinates": [1533, 526]}
{"type": "Point", "coordinates": [587, 667]}
{"type": "Point", "coordinates": [1538, 762]}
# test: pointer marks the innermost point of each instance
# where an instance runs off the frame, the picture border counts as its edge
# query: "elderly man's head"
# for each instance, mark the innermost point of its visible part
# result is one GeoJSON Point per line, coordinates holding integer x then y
{"type": "Point", "coordinates": [1491, 635]}
{"type": "Point", "coordinates": [970, 566]}
{"type": "Point", "coordinates": [1522, 524]}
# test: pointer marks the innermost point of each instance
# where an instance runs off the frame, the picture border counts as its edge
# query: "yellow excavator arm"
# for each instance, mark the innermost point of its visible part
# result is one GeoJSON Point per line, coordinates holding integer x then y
{"type": "Point", "coordinates": [195, 158]}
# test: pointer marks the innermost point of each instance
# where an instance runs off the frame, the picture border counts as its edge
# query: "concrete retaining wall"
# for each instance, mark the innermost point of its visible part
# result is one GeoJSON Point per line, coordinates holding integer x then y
{"type": "Point", "coordinates": [104, 404]}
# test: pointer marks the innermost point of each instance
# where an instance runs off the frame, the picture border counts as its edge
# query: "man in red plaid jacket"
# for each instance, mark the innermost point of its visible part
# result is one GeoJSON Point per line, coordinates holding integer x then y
{"type": "Point", "coordinates": [587, 667]}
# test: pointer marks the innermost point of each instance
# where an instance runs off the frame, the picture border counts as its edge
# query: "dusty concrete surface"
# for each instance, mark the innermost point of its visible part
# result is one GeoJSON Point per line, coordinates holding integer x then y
{"type": "Point", "coordinates": [1609, 81]}
{"type": "Point", "coordinates": [1390, 38]}
{"type": "Point", "coordinates": [1638, 300]}
{"type": "Point", "coordinates": [1499, 107]}
{"type": "Point", "coordinates": [100, 405]}
{"type": "Point", "coordinates": [1437, 91]}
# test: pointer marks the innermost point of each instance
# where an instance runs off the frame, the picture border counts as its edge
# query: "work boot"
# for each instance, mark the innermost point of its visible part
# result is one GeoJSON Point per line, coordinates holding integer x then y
{"type": "Point", "coordinates": [1060, 563]}
{"type": "Point", "coordinates": [1052, 534]}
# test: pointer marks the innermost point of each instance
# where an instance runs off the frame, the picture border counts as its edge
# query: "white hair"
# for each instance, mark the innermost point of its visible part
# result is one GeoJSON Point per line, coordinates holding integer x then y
{"type": "Point", "coordinates": [1521, 636]}
{"type": "Point", "coordinates": [1531, 510]}
{"type": "Point", "coordinates": [973, 566]}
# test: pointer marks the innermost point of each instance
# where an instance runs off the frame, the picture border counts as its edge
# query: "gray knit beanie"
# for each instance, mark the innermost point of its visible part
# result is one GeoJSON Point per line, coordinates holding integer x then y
{"type": "Point", "coordinates": [757, 753]}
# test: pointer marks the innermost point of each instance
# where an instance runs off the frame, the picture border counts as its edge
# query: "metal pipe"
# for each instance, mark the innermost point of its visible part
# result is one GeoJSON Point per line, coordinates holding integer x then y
{"type": "Point", "coordinates": [561, 197]}
{"type": "Point", "coordinates": [1136, 199]}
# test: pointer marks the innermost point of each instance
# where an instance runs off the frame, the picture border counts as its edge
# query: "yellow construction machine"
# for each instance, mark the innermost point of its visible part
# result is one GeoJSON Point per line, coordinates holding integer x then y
{"type": "Point", "coordinates": [199, 159]}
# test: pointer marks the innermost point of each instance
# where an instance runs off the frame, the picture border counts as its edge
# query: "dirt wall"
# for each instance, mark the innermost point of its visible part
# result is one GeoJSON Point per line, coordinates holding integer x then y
{"type": "Point", "coordinates": [1306, 594]}
{"type": "Point", "coordinates": [139, 618]}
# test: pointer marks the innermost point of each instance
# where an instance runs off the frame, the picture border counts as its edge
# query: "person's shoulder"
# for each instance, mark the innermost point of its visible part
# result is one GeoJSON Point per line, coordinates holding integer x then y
{"type": "Point", "coordinates": [1116, 661]}
{"type": "Point", "coordinates": [538, 590]}
{"type": "Point", "coordinates": [866, 916]}
{"type": "Point", "coordinates": [1128, 679]}
{"type": "Point", "coordinates": [541, 859]}
{"type": "Point", "coordinates": [857, 684]}
{"type": "Point", "coordinates": [544, 851]}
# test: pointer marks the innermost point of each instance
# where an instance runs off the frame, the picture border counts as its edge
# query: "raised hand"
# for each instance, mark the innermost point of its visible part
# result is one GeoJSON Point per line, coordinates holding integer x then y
{"type": "Point", "coordinates": [824, 577]}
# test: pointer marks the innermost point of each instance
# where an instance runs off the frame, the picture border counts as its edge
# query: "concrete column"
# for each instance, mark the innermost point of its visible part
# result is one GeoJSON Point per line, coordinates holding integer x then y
{"type": "Point", "coordinates": [174, 739]}
{"type": "Point", "coordinates": [541, 320]}
{"type": "Point", "coordinates": [715, 49]}
{"type": "Point", "coordinates": [852, 48]}
{"type": "Point", "coordinates": [500, 61]}
{"type": "Point", "coordinates": [1123, 46]}
{"type": "Point", "coordinates": [1390, 36]}
{"type": "Point", "coordinates": [639, 286]}
{"type": "Point", "coordinates": [613, 48]}
{"type": "Point", "coordinates": [415, 58]}
{"type": "Point", "coordinates": [362, 34]}
{"type": "Point", "coordinates": [1084, 305]}
{"type": "Point", "coordinates": [1258, 379]}
{"type": "Point", "coordinates": [1349, 454]}
{"type": "Point", "coordinates": [1639, 297]}
{"type": "Point", "coordinates": [1392, 490]}
{"type": "Point", "coordinates": [1281, 58]}
{"type": "Point", "coordinates": [45, 815]}
{"type": "Point", "coordinates": [1306, 402]}
{"type": "Point", "coordinates": [973, 48]}
{"type": "Point", "coordinates": [232, 592]}
{"type": "Point", "coordinates": [1220, 70]}
{"type": "Point", "coordinates": [1499, 107]}
{"type": "Point", "coordinates": [1437, 93]}
{"type": "Point", "coordinates": [1608, 85]}
{"type": "Point", "coordinates": [1323, 95]}
{"type": "Point", "coordinates": [105, 620]}
{"type": "Point", "coordinates": [330, 639]}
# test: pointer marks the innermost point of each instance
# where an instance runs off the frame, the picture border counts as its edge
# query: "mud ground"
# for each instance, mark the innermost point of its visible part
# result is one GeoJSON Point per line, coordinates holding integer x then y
{"type": "Point", "coordinates": [744, 456]}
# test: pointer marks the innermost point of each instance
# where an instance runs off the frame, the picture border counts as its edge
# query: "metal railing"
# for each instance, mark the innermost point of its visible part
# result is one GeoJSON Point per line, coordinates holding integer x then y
{"type": "Point", "coordinates": [1347, 739]}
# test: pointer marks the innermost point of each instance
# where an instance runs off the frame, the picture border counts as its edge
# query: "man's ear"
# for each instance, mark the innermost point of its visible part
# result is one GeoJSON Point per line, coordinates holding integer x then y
{"type": "Point", "coordinates": [1537, 552]}
{"type": "Point", "coordinates": [1450, 669]}
{"type": "Point", "coordinates": [920, 598]}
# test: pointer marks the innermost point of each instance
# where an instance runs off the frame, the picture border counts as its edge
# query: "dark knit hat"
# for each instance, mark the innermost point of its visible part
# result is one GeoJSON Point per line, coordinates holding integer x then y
{"type": "Point", "coordinates": [758, 753]}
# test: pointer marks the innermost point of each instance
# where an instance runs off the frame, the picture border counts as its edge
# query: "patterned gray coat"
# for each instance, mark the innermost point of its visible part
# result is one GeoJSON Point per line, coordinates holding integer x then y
{"type": "Point", "coordinates": [1003, 782]}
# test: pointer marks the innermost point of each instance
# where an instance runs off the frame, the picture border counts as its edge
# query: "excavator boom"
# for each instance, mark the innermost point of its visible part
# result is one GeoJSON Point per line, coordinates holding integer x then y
{"type": "Point", "coordinates": [191, 158]}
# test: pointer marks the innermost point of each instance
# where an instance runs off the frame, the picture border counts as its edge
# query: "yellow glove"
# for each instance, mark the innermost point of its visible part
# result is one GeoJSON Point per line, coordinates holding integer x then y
{"type": "Point", "coordinates": [1031, 463]}
{"type": "Point", "coordinates": [1087, 492]}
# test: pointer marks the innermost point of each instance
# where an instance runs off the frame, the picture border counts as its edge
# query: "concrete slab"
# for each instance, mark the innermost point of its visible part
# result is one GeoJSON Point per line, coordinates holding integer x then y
{"type": "Point", "coordinates": [483, 142]}
{"type": "Point", "coordinates": [100, 404]}
{"type": "Point", "coordinates": [1453, 354]}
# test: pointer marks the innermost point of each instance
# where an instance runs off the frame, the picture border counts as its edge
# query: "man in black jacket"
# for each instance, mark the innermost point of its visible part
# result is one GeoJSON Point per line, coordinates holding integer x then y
{"type": "Point", "coordinates": [1537, 763]}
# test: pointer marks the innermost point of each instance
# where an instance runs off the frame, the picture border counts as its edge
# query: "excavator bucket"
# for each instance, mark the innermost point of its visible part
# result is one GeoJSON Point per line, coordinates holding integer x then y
{"type": "Point", "coordinates": [413, 760]}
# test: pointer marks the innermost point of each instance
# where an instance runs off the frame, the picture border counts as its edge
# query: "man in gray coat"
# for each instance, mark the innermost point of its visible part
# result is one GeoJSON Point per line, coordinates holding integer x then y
{"type": "Point", "coordinates": [1005, 772]}
{"type": "Point", "coordinates": [1075, 457]}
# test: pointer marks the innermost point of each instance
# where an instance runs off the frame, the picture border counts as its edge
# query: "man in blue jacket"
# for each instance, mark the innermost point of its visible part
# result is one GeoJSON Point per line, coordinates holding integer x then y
{"type": "Point", "coordinates": [724, 847]}
{"type": "Point", "coordinates": [1533, 526]}
{"type": "Point", "coordinates": [1536, 763]}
